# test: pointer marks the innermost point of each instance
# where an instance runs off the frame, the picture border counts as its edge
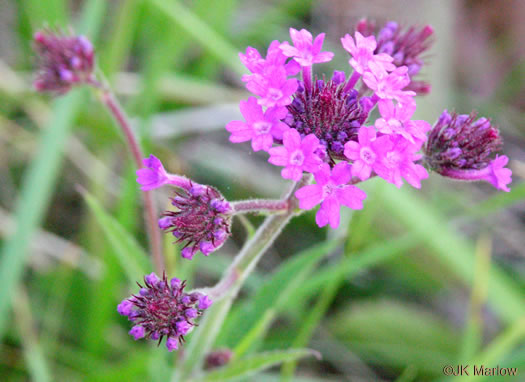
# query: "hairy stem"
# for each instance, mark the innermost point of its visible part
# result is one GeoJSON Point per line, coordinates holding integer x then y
{"type": "Point", "coordinates": [225, 291]}
{"type": "Point", "coordinates": [150, 216]}
{"type": "Point", "coordinates": [260, 205]}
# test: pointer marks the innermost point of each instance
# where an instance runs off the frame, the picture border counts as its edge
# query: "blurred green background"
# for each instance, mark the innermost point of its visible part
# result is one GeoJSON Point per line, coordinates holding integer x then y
{"type": "Point", "coordinates": [415, 281]}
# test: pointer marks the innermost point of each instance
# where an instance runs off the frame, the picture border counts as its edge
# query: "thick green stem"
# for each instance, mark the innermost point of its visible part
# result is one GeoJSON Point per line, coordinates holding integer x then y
{"type": "Point", "coordinates": [225, 291]}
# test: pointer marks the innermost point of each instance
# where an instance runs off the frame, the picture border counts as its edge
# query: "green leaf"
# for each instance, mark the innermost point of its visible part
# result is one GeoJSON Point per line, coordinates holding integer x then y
{"type": "Point", "coordinates": [396, 334]}
{"type": "Point", "coordinates": [251, 365]}
{"type": "Point", "coordinates": [274, 294]}
{"type": "Point", "coordinates": [202, 33]}
{"type": "Point", "coordinates": [128, 252]}
{"type": "Point", "coordinates": [452, 250]}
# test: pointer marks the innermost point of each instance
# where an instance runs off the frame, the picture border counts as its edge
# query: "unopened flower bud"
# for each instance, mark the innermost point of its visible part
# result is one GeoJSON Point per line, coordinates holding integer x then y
{"type": "Point", "coordinates": [165, 310]}
{"type": "Point", "coordinates": [462, 147]}
{"type": "Point", "coordinates": [202, 220]}
{"type": "Point", "coordinates": [64, 61]}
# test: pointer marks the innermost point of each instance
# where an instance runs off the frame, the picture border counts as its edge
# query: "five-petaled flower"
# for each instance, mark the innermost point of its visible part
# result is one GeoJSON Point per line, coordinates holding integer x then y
{"type": "Point", "coordinates": [331, 190]}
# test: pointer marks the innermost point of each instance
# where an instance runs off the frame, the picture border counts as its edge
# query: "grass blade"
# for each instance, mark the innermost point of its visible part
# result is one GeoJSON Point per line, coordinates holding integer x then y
{"type": "Point", "coordinates": [251, 365]}
{"type": "Point", "coordinates": [131, 256]}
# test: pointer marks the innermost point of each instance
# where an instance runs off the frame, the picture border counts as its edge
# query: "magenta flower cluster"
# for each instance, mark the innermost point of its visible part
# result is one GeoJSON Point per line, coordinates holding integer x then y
{"type": "Point", "coordinates": [162, 309]}
{"type": "Point", "coordinates": [322, 126]}
{"type": "Point", "coordinates": [318, 125]}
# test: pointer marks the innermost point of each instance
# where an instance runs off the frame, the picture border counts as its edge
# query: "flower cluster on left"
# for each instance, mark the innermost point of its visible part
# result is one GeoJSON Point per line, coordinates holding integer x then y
{"type": "Point", "coordinates": [162, 309]}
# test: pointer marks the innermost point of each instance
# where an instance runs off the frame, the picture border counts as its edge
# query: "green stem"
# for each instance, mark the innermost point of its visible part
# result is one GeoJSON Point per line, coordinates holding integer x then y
{"type": "Point", "coordinates": [225, 291]}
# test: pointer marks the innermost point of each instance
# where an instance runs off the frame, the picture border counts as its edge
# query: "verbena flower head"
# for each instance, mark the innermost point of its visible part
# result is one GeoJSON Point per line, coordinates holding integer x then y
{"type": "Point", "coordinates": [202, 220]}
{"type": "Point", "coordinates": [325, 125]}
{"type": "Point", "coordinates": [162, 309]}
{"type": "Point", "coordinates": [330, 111]}
{"type": "Point", "coordinates": [64, 61]}
{"type": "Point", "coordinates": [405, 46]}
{"type": "Point", "coordinates": [462, 146]}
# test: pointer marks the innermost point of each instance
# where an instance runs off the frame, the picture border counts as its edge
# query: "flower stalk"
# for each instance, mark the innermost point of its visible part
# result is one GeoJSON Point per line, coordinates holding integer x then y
{"type": "Point", "coordinates": [225, 291]}
{"type": "Point", "coordinates": [260, 205]}
{"type": "Point", "coordinates": [113, 106]}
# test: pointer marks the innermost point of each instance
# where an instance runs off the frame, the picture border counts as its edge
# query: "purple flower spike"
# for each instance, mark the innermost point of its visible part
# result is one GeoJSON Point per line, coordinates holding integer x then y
{"type": "Point", "coordinates": [260, 127]}
{"type": "Point", "coordinates": [202, 220]}
{"type": "Point", "coordinates": [296, 155]}
{"type": "Point", "coordinates": [332, 190]}
{"type": "Point", "coordinates": [330, 112]}
{"type": "Point", "coordinates": [165, 311]}
{"type": "Point", "coordinates": [463, 147]}
{"type": "Point", "coordinates": [155, 176]}
{"type": "Point", "coordinates": [64, 61]}
{"type": "Point", "coordinates": [304, 51]}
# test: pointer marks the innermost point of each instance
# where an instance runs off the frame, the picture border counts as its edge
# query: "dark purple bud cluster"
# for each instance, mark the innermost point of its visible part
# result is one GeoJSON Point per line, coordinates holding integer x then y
{"type": "Point", "coordinates": [461, 142]}
{"type": "Point", "coordinates": [202, 220]}
{"type": "Point", "coordinates": [217, 358]}
{"type": "Point", "coordinates": [63, 61]}
{"type": "Point", "coordinates": [405, 46]}
{"type": "Point", "coordinates": [330, 111]}
{"type": "Point", "coordinates": [162, 309]}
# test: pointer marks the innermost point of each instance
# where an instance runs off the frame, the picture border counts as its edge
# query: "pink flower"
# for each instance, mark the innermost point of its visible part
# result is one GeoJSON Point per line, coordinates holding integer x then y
{"type": "Point", "coordinates": [331, 191]}
{"type": "Point", "coordinates": [399, 163]}
{"type": "Point", "coordinates": [362, 51]}
{"type": "Point", "coordinates": [388, 85]}
{"type": "Point", "coordinates": [296, 155]}
{"type": "Point", "coordinates": [396, 120]}
{"type": "Point", "coordinates": [274, 58]}
{"type": "Point", "coordinates": [155, 176]}
{"type": "Point", "coordinates": [274, 87]}
{"type": "Point", "coordinates": [500, 176]}
{"type": "Point", "coordinates": [495, 173]}
{"type": "Point", "coordinates": [368, 152]}
{"type": "Point", "coordinates": [304, 51]}
{"type": "Point", "coordinates": [261, 128]}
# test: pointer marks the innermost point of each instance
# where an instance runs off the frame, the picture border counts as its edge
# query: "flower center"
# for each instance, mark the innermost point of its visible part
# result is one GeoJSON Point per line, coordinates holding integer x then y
{"type": "Point", "coordinates": [262, 127]}
{"type": "Point", "coordinates": [297, 158]}
{"type": "Point", "coordinates": [329, 189]}
{"type": "Point", "coordinates": [393, 159]}
{"type": "Point", "coordinates": [394, 124]}
{"type": "Point", "coordinates": [367, 155]}
{"type": "Point", "coordinates": [275, 94]}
